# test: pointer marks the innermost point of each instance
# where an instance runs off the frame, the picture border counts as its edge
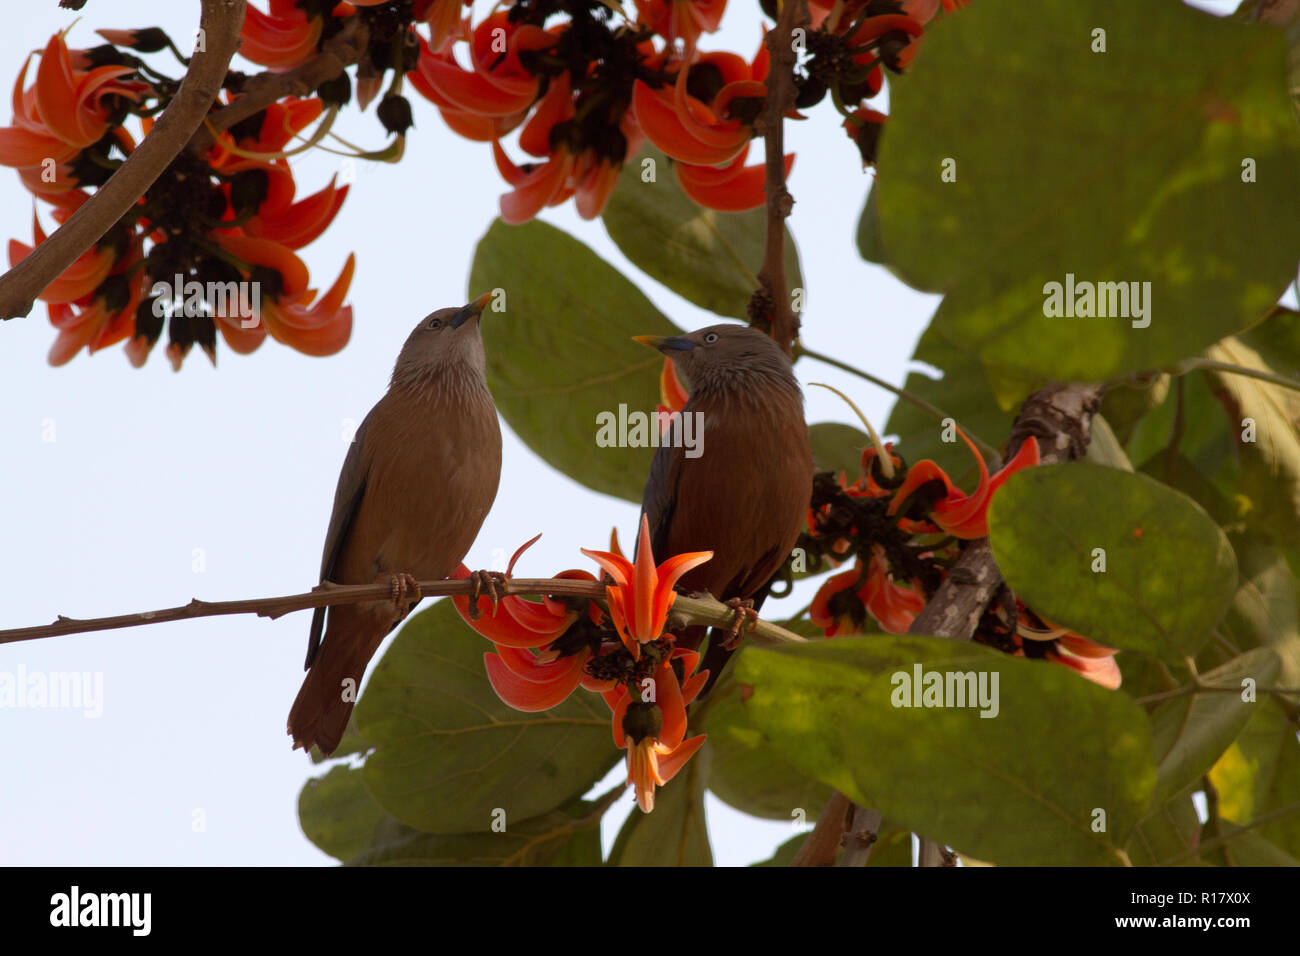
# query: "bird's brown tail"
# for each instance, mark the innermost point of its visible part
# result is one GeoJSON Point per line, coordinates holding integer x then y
{"type": "Point", "coordinates": [324, 703]}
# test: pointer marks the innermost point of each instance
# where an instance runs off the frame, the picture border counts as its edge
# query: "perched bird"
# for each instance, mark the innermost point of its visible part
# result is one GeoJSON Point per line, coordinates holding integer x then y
{"type": "Point", "coordinates": [417, 482]}
{"type": "Point", "coordinates": [745, 494]}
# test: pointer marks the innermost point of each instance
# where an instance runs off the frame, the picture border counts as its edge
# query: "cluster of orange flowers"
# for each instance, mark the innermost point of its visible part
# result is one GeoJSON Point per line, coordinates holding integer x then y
{"type": "Point", "coordinates": [545, 650]}
{"type": "Point", "coordinates": [223, 226]}
{"type": "Point", "coordinates": [904, 532]}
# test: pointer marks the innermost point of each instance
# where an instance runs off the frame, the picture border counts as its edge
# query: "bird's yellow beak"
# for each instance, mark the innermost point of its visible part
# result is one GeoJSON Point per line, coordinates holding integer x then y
{"type": "Point", "coordinates": [473, 310]}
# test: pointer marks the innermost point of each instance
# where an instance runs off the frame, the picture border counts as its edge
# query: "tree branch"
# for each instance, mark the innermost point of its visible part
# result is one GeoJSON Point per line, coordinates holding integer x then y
{"type": "Point", "coordinates": [823, 843]}
{"type": "Point", "coordinates": [691, 610]}
{"type": "Point", "coordinates": [771, 123]}
{"type": "Point", "coordinates": [339, 52]}
{"type": "Point", "coordinates": [220, 22]}
{"type": "Point", "coordinates": [1060, 417]}
{"type": "Point", "coordinates": [860, 838]}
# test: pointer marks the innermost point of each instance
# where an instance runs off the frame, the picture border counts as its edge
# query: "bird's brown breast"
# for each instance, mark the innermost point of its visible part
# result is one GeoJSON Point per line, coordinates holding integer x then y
{"type": "Point", "coordinates": [432, 468]}
{"type": "Point", "coordinates": [745, 498]}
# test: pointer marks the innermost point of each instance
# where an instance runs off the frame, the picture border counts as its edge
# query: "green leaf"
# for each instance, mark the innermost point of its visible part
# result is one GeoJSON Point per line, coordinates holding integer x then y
{"type": "Point", "coordinates": [1167, 832]}
{"type": "Point", "coordinates": [1260, 774]}
{"type": "Point", "coordinates": [1104, 166]}
{"type": "Point", "coordinates": [448, 752]}
{"type": "Point", "coordinates": [784, 853]}
{"type": "Point", "coordinates": [675, 832]}
{"type": "Point", "coordinates": [338, 814]}
{"type": "Point", "coordinates": [1189, 733]}
{"type": "Point", "coordinates": [963, 392]}
{"type": "Point", "coordinates": [1169, 571]}
{"type": "Point", "coordinates": [1104, 448]}
{"type": "Point", "coordinates": [745, 770]}
{"type": "Point", "coordinates": [1265, 611]}
{"type": "Point", "coordinates": [707, 257]}
{"type": "Point", "coordinates": [1021, 787]}
{"type": "Point", "coordinates": [562, 352]}
{"type": "Point", "coordinates": [838, 447]}
{"type": "Point", "coordinates": [569, 836]}
{"type": "Point", "coordinates": [1246, 848]}
{"type": "Point", "coordinates": [871, 245]}
{"type": "Point", "coordinates": [1268, 489]}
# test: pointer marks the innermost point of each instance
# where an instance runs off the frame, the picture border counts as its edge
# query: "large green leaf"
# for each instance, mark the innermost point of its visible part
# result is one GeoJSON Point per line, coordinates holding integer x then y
{"type": "Point", "coordinates": [569, 836]}
{"type": "Point", "coordinates": [1116, 166]}
{"type": "Point", "coordinates": [338, 814]}
{"type": "Point", "coordinates": [1165, 833]}
{"type": "Point", "coordinates": [449, 754]}
{"type": "Point", "coordinates": [963, 393]}
{"type": "Point", "coordinates": [707, 257]}
{"type": "Point", "coordinates": [562, 352]}
{"type": "Point", "coordinates": [675, 833]}
{"type": "Point", "coordinates": [745, 770]}
{"type": "Point", "coordinates": [1169, 571]}
{"type": "Point", "coordinates": [1024, 786]}
{"type": "Point", "coordinates": [837, 447]}
{"type": "Point", "coordinates": [871, 246]}
{"type": "Point", "coordinates": [1189, 733]}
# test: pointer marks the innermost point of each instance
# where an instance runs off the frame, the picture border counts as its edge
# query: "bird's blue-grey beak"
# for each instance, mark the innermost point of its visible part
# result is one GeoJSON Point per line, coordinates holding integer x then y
{"type": "Point", "coordinates": [674, 343]}
{"type": "Point", "coordinates": [470, 311]}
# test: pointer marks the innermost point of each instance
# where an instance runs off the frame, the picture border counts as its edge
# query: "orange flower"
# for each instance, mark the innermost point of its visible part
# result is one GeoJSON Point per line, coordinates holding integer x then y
{"type": "Point", "coordinates": [64, 111]}
{"type": "Point", "coordinates": [681, 19]}
{"type": "Point", "coordinates": [923, 11]}
{"type": "Point", "coordinates": [839, 606]}
{"type": "Point", "coordinates": [653, 731]}
{"type": "Point", "coordinates": [959, 514]}
{"type": "Point", "coordinates": [534, 682]}
{"type": "Point", "coordinates": [641, 595]}
{"type": "Point", "coordinates": [290, 313]}
{"type": "Point", "coordinates": [519, 623]}
{"type": "Point", "coordinates": [734, 187]}
{"type": "Point", "coordinates": [1094, 661]}
{"type": "Point", "coordinates": [283, 38]}
{"type": "Point", "coordinates": [497, 84]}
{"type": "Point", "coordinates": [691, 131]}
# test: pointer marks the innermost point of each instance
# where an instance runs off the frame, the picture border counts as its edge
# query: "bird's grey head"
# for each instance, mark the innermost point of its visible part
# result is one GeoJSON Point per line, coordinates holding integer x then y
{"type": "Point", "coordinates": [725, 358]}
{"type": "Point", "coordinates": [445, 349]}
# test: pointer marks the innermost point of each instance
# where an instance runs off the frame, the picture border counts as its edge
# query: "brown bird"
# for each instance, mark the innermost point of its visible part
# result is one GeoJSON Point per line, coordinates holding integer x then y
{"type": "Point", "coordinates": [417, 482]}
{"type": "Point", "coordinates": [744, 494]}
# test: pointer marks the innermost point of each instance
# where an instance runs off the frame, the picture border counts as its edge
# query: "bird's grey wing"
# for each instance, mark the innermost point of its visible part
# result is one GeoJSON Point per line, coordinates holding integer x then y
{"type": "Point", "coordinates": [347, 499]}
{"type": "Point", "coordinates": [659, 500]}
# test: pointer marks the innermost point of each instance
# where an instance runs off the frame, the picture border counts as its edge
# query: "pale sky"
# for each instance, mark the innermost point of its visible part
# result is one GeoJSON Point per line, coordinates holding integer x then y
{"type": "Point", "coordinates": [217, 483]}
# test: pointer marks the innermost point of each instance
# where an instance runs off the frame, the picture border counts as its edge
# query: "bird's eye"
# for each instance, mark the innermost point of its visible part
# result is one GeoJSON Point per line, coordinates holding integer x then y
{"type": "Point", "coordinates": [710, 338]}
{"type": "Point", "coordinates": [435, 323]}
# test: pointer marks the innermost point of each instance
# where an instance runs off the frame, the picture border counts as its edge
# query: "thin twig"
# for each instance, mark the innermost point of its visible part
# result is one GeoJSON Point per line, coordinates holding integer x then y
{"type": "Point", "coordinates": [991, 455]}
{"type": "Point", "coordinates": [339, 52]}
{"type": "Point", "coordinates": [220, 22]}
{"type": "Point", "coordinates": [694, 610]}
{"type": "Point", "coordinates": [771, 122]}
